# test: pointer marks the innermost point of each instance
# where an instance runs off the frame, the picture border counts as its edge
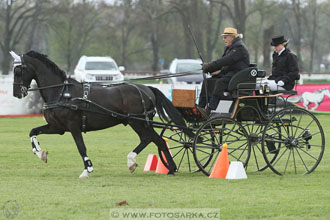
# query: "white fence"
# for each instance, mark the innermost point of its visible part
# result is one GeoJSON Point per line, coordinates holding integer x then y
{"type": "Point", "coordinates": [9, 105]}
{"type": "Point", "coordinates": [313, 76]}
{"type": "Point", "coordinates": [32, 104]}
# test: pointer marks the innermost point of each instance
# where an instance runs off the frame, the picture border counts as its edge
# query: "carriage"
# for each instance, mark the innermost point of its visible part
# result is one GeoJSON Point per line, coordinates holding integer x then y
{"type": "Point", "coordinates": [261, 129]}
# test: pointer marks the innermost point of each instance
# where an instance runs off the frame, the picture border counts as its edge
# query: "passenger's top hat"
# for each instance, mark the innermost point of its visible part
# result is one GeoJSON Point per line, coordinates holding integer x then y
{"type": "Point", "coordinates": [278, 40]}
{"type": "Point", "coordinates": [229, 31]}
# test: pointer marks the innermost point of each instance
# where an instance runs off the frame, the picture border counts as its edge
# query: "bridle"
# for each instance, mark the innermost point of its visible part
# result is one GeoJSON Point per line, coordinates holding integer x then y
{"type": "Point", "coordinates": [18, 70]}
{"type": "Point", "coordinates": [19, 66]}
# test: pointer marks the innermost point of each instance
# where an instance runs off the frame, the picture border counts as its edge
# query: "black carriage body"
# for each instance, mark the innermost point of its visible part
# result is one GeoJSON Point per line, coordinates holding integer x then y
{"type": "Point", "coordinates": [259, 126]}
{"type": "Point", "coordinates": [255, 108]}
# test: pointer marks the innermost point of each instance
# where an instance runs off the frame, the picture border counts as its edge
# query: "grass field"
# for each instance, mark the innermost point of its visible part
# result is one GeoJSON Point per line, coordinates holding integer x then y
{"type": "Point", "coordinates": [53, 190]}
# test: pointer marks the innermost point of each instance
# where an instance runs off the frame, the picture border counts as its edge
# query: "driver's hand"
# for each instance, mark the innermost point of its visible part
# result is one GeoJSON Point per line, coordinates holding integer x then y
{"type": "Point", "coordinates": [205, 67]}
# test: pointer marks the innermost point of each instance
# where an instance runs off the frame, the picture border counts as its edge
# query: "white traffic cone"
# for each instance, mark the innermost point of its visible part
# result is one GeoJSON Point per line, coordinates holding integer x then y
{"type": "Point", "coordinates": [236, 171]}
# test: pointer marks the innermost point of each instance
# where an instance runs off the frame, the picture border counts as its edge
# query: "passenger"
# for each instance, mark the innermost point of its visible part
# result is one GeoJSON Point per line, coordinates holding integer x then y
{"type": "Point", "coordinates": [234, 59]}
{"type": "Point", "coordinates": [285, 68]}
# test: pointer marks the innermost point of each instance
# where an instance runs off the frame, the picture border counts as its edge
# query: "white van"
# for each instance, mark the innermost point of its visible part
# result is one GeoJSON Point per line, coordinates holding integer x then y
{"type": "Point", "coordinates": [98, 70]}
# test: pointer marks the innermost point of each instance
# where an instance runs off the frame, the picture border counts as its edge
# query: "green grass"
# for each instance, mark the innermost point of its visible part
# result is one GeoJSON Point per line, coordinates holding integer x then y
{"type": "Point", "coordinates": [316, 81]}
{"type": "Point", "coordinates": [53, 190]}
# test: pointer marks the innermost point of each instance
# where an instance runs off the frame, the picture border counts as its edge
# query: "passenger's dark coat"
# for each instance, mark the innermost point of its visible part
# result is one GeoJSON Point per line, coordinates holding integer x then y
{"type": "Point", "coordinates": [235, 58]}
{"type": "Point", "coordinates": [285, 68]}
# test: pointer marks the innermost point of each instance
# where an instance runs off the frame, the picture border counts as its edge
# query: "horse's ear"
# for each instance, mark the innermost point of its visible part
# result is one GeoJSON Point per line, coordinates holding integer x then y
{"type": "Point", "coordinates": [17, 59]}
{"type": "Point", "coordinates": [15, 56]}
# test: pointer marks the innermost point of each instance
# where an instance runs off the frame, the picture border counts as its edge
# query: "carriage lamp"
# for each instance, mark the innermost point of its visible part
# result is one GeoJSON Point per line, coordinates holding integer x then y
{"type": "Point", "coordinates": [267, 89]}
{"type": "Point", "coordinates": [261, 90]}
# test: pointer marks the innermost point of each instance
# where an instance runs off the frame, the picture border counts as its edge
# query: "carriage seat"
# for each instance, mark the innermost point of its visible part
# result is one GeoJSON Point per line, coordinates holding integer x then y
{"type": "Point", "coordinates": [287, 92]}
{"type": "Point", "coordinates": [243, 83]}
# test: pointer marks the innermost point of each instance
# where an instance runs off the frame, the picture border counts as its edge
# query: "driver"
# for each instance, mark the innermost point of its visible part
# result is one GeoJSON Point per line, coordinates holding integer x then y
{"type": "Point", "coordinates": [234, 59]}
{"type": "Point", "coordinates": [285, 66]}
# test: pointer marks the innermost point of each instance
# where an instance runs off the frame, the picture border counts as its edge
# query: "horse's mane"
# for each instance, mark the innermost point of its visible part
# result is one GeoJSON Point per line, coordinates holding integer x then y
{"type": "Point", "coordinates": [50, 64]}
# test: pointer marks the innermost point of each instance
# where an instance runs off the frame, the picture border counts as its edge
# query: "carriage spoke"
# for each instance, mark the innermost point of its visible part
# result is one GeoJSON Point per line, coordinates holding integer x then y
{"type": "Point", "coordinates": [243, 151]}
{"type": "Point", "coordinates": [188, 159]}
{"type": "Point", "coordinates": [273, 128]}
{"type": "Point", "coordinates": [305, 129]}
{"type": "Point", "coordinates": [177, 152]}
{"type": "Point", "coordinates": [287, 161]}
{"type": "Point", "coordinates": [255, 157]}
{"type": "Point", "coordinates": [204, 151]}
{"type": "Point", "coordinates": [298, 124]}
{"type": "Point", "coordinates": [308, 153]}
{"type": "Point", "coordinates": [171, 148]}
{"type": "Point", "coordinates": [181, 158]}
{"type": "Point", "coordinates": [294, 162]}
{"type": "Point", "coordinates": [279, 157]}
{"type": "Point", "coordinates": [211, 167]}
{"type": "Point", "coordinates": [302, 160]}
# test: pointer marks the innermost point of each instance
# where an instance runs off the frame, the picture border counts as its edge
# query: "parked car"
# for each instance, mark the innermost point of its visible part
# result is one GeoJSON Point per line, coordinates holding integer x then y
{"type": "Point", "coordinates": [186, 66]}
{"type": "Point", "coordinates": [98, 70]}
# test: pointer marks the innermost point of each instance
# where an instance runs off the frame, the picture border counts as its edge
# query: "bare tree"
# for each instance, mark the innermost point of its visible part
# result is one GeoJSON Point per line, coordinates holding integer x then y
{"type": "Point", "coordinates": [152, 12]}
{"type": "Point", "coordinates": [311, 25]}
{"type": "Point", "coordinates": [16, 17]}
{"type": "Point", "coordinates": [213, 25]}
{"type": "Point", "coordinates": [268, 33]}
{"type": "Point", "coordinates": [296, 32]}
{"type": "Point", "coordinates": [184, 10]}
{"type": "Point", "coordinates": [73, 29]}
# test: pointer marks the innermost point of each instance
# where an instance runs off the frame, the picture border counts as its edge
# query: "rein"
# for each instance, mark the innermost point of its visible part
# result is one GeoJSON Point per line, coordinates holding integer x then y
{"type": "Point", "coordinates": [51, 86]}
{"type": "Point", "coordinates": [164, 76]}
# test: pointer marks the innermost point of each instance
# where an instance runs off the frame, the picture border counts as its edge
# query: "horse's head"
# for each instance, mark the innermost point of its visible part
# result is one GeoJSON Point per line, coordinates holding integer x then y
{"type": "Point", "coordinates": [327, 92]}
{"type": "Point", "coordinates": [22, 76]}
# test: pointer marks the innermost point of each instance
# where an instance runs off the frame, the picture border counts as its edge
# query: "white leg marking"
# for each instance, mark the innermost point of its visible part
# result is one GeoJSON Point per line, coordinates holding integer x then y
{"type": "Point", "coordinates": [131, 161]}
{"type": "Point", "coordinates": [37, 150]}
{"type": "Point", "coordinates": [89, 168]}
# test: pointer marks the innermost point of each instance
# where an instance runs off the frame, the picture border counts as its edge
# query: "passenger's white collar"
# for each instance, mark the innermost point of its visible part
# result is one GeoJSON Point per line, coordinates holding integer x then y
{"type": "Point", "coordinates": [279, 53]}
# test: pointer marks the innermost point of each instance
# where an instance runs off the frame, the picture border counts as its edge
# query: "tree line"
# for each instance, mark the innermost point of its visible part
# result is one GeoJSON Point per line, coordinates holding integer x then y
{"type": "Point", "coordinates": [139, 34]}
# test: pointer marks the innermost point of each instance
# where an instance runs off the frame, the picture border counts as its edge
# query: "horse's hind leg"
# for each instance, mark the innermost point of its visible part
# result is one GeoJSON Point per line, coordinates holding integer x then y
{"type": "Point", "coordinates": [144, 141]}
{"type": "Point", "coordinates": [148, 134]}
{"type": "Point", "coordinates": [45, 129]}
{"type": "Point", "coordinates": [160, 142]}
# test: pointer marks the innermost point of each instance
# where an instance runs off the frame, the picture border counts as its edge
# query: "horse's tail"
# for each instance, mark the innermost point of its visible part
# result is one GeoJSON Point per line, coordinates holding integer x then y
{"type": "Point", "coordinates": [162, 102]}
{"type": "Point", "coordinates": [295, 99]}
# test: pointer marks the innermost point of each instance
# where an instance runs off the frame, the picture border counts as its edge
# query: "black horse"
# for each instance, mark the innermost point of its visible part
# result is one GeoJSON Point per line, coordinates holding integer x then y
{"type": "Point", "coordinates": [77, 107]}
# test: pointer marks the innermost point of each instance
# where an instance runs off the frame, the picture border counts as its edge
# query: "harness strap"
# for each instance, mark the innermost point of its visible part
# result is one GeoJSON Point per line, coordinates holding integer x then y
{"type": "Point", "coordinates": [86, 92]}
{"type": "Point", "coordinates": [144, 104]}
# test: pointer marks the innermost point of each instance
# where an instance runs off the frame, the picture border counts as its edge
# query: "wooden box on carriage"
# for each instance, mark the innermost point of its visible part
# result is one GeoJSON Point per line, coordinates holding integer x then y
{"type": "Point", "coordinates": [183, 98]}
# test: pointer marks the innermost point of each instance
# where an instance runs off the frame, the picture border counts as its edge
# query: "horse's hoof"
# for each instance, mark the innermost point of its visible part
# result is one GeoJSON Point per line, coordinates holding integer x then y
{"type": "Point", "coordinates": [84, 174]}
{"type": "Point", "coordinates": [170, 174]}
{"type": "Point", "coordinates": [132, 168]}
{"type": "Point", "coordinates": [44, 156]}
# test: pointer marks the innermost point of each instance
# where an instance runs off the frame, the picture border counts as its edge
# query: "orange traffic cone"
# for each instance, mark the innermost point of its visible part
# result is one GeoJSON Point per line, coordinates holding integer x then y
{"type": "Point", "coordinates": [221, 166]}
{"type": "Point", "coordinates": [160, 166]}
{"type": "Point", "coordinates": [151, 163]}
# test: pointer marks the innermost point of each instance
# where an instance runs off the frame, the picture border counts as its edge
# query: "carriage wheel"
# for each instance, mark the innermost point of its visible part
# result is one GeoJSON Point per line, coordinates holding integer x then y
{"type": "Point", "coordinates": [180, 146]}
{"type": "Point", "coordinates": [255, 131]}
{"type": "Point", "coordinates": [300, 138]}
{"type": "Point", "coordinates": [212, 135]}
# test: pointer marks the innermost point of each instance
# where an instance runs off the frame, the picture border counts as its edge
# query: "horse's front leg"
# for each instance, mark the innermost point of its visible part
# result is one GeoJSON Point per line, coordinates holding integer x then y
{"type": "Point", "coordinates": [45, 129]}
{"type": "Point", "coordinates": [77, 136]}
